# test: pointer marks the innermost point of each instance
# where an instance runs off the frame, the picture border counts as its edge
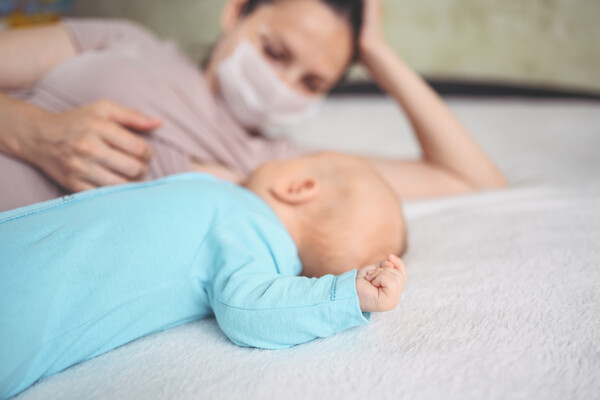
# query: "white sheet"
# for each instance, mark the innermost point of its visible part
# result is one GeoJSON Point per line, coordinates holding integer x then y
{"type": "Point", "coordinates": [503, 297]}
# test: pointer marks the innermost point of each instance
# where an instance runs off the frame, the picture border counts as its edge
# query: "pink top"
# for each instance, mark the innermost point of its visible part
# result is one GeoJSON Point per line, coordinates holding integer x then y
{"type": "Point", "coordinates": [125, 63]}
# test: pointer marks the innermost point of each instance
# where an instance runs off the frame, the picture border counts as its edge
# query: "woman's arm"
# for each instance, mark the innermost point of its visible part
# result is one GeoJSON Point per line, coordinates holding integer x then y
{"type": "Point", "coordinates": [79, 149]}
{"type": "Point", "coordinates": [28, 54]}
{"type": "Point", "coordinates": [452, 161]}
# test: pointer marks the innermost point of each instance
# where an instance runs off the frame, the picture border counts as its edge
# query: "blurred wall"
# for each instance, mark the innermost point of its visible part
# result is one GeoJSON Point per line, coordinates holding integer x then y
{"type": "Point", "coordinates": [552, 43]}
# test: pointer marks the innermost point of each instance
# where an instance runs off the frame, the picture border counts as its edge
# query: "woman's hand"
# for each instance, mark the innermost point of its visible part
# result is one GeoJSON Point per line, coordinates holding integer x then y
{"type": "Point", "coordinates": [89, 147]}
{"type": "Point", "coordinates": [371, 35]}
{"type": "Point", "coordinates": [375, 52]}
{"type": "Point", "coordinates": [379, 287]}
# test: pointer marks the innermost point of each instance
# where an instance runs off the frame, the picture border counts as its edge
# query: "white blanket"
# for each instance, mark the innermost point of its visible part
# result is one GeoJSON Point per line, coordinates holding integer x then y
{"type": "Point", "coordinates": [502, 301]}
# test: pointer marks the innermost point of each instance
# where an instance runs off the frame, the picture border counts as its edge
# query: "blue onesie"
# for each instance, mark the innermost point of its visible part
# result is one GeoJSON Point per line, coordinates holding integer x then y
{"type": "Point", "coordinates": [84, 274]}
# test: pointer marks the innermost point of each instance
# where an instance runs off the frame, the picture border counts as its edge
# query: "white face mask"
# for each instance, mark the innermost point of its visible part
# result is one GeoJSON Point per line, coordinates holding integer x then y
{"type": "Point", "coordinates": [254, 93]}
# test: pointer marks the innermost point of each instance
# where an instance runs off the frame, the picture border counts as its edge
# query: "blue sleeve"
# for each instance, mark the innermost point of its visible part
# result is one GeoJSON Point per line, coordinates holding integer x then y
{"type": "Point", "coordinates": [256, 295]}
{"type": "Point", "coordinates": [256, 306]}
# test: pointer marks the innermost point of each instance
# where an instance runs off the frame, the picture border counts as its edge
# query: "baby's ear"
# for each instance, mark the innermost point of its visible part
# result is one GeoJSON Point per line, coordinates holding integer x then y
{"type": "Point", "coordinates": [296, 192]}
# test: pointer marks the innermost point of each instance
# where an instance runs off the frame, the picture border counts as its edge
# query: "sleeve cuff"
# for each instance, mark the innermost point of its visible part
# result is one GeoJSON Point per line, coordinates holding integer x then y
{"type": "Point", "coordinates": [71, 27]}
{"type": "Point", "coordinates": [344, 290]}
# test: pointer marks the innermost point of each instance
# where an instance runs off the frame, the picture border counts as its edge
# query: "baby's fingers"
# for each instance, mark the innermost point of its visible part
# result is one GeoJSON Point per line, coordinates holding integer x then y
{"type": "Point", "coordinates": [390, 288]}
{"type": "Point", "coordinates": [372, 274]}
{"type": "Point", "coordinates": [378, 276]}
{"type": "Point", "coordinates": [381, 279]}
{"type": "Point", "coordinates": [366, 270]}
{"type": "Point", "coordinates": [397, 263]}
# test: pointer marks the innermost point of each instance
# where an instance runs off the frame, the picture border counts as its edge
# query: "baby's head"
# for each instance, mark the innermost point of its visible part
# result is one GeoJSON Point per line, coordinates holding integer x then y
{"type": "Point", "coordinates": [340, 212]}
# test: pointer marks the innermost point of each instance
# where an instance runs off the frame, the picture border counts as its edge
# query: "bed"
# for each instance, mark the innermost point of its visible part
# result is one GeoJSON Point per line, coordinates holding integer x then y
{"type": "Point", "coordinates": [502, 300]}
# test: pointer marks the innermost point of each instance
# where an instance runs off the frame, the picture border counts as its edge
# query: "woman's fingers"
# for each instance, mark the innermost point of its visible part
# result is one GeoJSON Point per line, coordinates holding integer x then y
{"type": "Point", "coordinates": [127, 141]}
{"type": "Point", "coordinates": [121, 154]}
{"type": "Point", "coordinates": [86, 174]}
{"type": "Point", "coordinates": [80, 186]}
{"type": "Point", "coordinates": [99, 175]}
{"type": "Point", "coordinates": [125, 116]}
{"type": "Point", "coordinates": [124, 164]}
{"type": "Point", "coordinates": [90, 146]}
{"type": "Point", "coordinates": [100, 148]}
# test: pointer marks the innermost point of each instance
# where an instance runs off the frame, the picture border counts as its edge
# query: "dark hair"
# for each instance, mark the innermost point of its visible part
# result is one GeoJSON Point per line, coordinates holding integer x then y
{"type": "Point", "coordinates": [351, 10]}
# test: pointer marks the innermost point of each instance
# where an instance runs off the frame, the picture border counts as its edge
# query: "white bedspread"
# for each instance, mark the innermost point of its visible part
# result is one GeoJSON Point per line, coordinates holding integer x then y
{"type": "Point", "coordinates": [502, 301]}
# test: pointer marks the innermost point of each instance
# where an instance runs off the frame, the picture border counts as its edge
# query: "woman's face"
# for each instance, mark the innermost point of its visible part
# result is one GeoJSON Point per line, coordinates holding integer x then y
{"type": "Point", "coordinates": [306, 42]}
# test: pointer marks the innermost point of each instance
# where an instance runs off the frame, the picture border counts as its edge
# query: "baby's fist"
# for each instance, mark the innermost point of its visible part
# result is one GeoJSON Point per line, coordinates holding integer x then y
{"type": "Point", "coordinates": [380, 286]}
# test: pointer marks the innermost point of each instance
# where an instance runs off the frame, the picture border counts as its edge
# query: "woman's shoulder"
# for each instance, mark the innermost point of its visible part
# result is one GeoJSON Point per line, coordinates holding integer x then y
{"type": "Point", "coordinates": [103, 33]}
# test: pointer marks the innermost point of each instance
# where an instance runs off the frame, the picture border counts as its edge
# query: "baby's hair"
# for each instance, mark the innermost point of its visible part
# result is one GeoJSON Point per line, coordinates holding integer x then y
{"type": "Point", "coordinates": [366, 238]}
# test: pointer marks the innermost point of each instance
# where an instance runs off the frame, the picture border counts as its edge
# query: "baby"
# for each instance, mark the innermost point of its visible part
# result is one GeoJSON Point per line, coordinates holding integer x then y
{"type": "Point", "coordinates": [84, 274]}
{"type": "Point", "coordinates": [341, 214]}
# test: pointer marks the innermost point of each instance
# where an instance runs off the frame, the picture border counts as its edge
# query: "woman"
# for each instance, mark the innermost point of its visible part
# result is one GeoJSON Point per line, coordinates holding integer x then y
{"type": "Point", "coordinates": [274, 62]}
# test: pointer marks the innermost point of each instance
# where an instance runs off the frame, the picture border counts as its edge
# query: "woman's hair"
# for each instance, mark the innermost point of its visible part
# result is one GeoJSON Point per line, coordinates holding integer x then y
{"type": "Point", "coordinates": [351, 10]}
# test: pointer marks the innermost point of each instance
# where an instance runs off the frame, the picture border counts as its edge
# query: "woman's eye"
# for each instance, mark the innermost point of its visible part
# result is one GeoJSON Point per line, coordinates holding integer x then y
{"type": "Point", "coordinates": [312, 86]}
{"type": "Point", "coordinates": [273, 53]}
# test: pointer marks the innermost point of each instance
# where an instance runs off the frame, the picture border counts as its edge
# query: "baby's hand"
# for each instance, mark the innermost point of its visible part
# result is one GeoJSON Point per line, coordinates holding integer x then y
{"type": "Point", "coordinates": [380, 286]}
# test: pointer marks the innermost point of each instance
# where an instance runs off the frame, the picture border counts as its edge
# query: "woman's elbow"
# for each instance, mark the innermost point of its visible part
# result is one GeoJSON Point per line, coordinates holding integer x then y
{"type": "Point", "coordinates": [498, 181]}
{"type": "Point", "coordinates": [489, 181]}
